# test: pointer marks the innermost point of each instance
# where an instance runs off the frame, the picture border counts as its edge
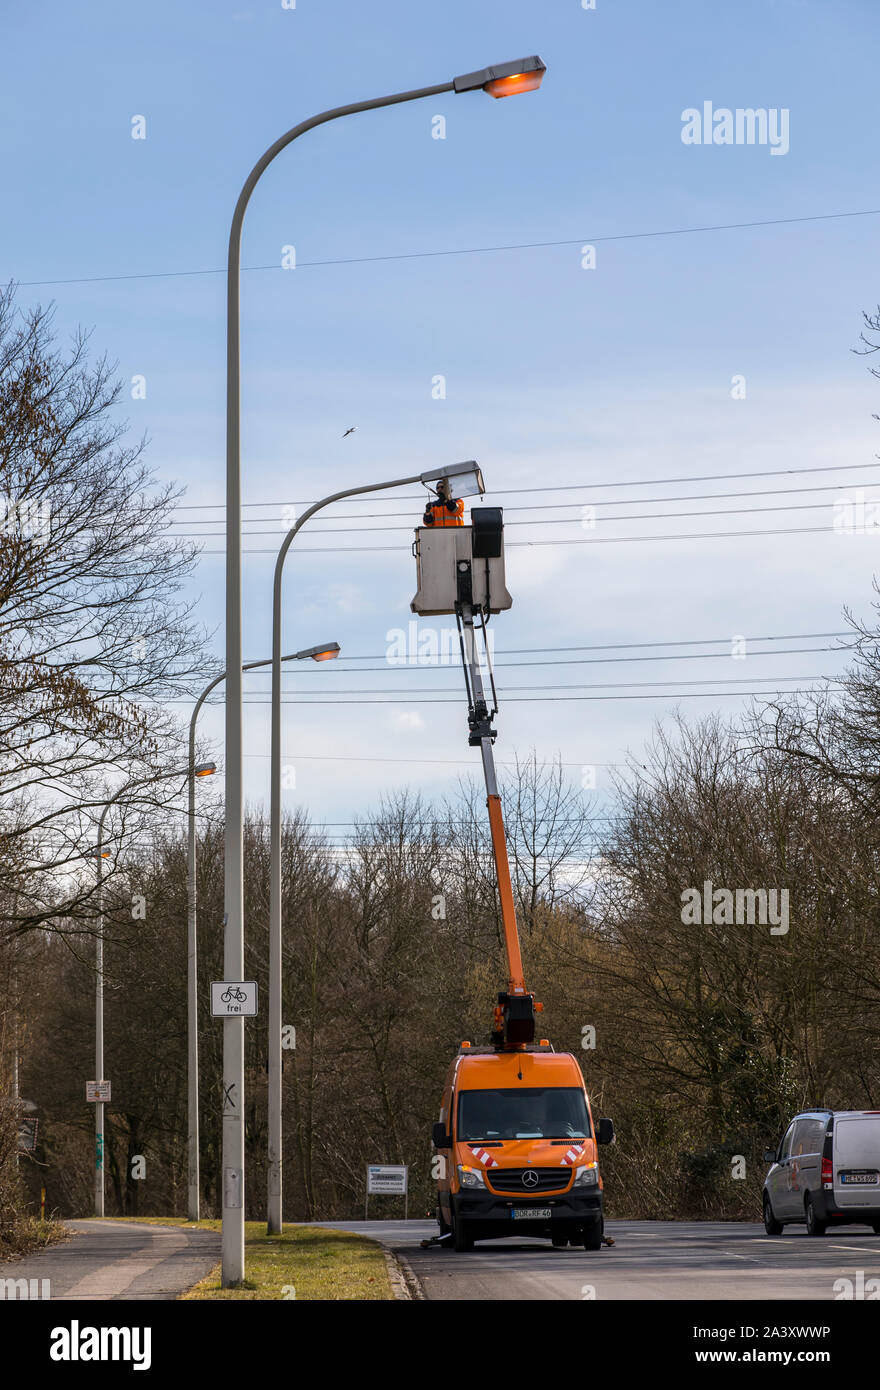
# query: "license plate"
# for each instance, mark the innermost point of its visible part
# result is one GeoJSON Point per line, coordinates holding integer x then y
{"type": "Point", "coordinates": [531, 1213]}
{"type": "Point", "coordinates": [860, 1179]}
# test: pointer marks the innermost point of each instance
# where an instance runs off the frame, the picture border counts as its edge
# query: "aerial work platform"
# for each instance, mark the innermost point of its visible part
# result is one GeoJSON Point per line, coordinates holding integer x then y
{"type": "Point", "coordinates": [460, 571]}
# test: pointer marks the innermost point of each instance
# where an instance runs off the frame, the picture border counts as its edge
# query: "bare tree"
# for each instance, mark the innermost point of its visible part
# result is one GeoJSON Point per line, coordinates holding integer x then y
{"type": "Point", "coordinates": [94, 630]}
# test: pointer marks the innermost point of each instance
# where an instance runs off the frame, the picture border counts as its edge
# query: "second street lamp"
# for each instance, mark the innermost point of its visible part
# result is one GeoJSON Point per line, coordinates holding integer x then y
{"type": "Point", "coordinates": [468, 481]}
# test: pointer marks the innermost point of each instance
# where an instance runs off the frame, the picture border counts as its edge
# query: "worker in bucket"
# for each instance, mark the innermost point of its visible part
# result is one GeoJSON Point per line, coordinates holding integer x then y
{"type": "Point", "coordinates": [446, 510]}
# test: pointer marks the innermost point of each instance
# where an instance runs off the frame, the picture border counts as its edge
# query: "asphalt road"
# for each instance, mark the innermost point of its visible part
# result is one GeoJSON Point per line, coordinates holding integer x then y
{"type": "Point", "coordinates": [106, 1260]}
{"type": "Point", "coordinates": [649, 1260]}
{"type": "Point", "coordinates": [121, 1259]}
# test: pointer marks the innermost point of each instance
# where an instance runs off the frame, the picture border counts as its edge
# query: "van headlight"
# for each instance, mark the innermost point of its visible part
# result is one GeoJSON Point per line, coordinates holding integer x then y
{"type": "Point", "coordinates": [587, 1175]}
{"type": "Point", "coordinates": [469, 1177]}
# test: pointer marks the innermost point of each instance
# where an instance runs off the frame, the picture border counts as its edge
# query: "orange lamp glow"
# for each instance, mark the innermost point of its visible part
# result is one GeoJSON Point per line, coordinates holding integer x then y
{"type": "Point", "coordinates": [329, 655]}
{"type": "Point", "coordinates": [510, 86]}
{"type": "Point", "coordinates": [504, 79]}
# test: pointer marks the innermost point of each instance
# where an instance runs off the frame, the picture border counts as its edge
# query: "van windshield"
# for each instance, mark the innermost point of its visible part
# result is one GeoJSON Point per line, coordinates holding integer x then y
{"type": "Point", "coordinates": [559, 1112]}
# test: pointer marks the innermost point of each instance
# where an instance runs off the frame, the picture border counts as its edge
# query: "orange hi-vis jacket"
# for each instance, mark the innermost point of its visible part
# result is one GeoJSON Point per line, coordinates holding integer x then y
{"type": "Point", "coordinates": [438, 513]}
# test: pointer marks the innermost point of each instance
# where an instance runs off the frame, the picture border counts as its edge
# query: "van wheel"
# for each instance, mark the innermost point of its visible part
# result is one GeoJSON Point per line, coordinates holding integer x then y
{"type": "Point", "coordinates": [461, 1240]}
{"type": "Point", "coordinates": [815, 1225]}
{"type": "Point", "coordinates": [593, 1234]}
{"type": "Point", "coordinates": [771, 1225]}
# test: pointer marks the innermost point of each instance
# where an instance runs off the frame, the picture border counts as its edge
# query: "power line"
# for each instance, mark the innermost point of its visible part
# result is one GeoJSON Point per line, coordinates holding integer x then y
{"type": "Point", "coordinates": [630, 646]}
{"type": "Point", "coordinates": [597, 540]}
{"type": "Point", "coordinates": [579, 487]}
{"type": "Point", "coordinates": [522, 699]}
{"type": "Point", "coordinates": [582, 685]}
{"type": "Point", "coordinates": [467, 250]}
{"type": "Point", "coordinates": [545, 521]}
{"type": "Point", "coordinates": [531, 507]}
{"type": "Point", "coordinates": [419, 762]}
{"type": "Point", "coordinates": [581, 661]}
{"type": "Point", "coordinates": [450, 690]}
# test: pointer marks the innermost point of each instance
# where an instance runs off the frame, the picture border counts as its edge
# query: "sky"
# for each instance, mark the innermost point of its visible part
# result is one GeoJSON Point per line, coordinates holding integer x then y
{"type": "Point", "coordinates": [445, 301]}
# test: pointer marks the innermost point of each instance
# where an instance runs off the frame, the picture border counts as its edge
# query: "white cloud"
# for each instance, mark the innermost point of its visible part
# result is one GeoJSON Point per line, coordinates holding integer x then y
{"type": "Point", "coordinates": [407, 719]}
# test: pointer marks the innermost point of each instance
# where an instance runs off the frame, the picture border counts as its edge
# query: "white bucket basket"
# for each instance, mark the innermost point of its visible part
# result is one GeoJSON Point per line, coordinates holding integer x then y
{"type": "Point", "coordinates": [443, 557]}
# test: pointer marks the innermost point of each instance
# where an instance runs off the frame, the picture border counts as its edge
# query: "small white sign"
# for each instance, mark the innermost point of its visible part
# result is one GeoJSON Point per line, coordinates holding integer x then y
{"type": "Point", "coordinates": [387, 1179]}
{"type": "Point", "coordinates": [97, 1090]}
{"type": "Point", "coordinates": [235, 999]}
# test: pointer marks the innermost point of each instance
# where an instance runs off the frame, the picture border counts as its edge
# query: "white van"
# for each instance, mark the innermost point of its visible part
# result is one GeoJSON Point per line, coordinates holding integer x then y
{"type": "Point", "coordinates": [826, 1172]}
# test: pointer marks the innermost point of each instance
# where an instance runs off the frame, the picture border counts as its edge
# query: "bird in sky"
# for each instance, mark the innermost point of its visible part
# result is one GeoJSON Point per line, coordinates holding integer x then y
{"type": "Point", "coordinates": [350, 431]}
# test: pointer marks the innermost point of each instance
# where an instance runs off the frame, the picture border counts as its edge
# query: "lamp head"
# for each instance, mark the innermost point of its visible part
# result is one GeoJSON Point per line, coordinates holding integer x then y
{"type": "Point", "coordinates": [504, 79]}
{"type": "Point", "coordinates": [328, 652]}
{"type": "Point", "coordinates": [457, 479]}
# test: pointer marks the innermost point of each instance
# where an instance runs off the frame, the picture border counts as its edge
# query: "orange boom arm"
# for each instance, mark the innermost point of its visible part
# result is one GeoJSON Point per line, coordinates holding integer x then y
{"type": "Point", "coordinates": [514, 1018]}
{"type": "Point", "coordinates": [515, 984]}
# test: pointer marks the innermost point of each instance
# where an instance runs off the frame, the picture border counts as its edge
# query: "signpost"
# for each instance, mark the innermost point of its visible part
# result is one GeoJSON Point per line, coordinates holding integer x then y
{"type": "Point", "coordinates": [98, 1091]}
{"type": "Point", "coordinates": [234, 999]}
{"type": "Point", "coordinates": [387, 1180]}
{"type": "Point", "coordinates": [27, 1134]}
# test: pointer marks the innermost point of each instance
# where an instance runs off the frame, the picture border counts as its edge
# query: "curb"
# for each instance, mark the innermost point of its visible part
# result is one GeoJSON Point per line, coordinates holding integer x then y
{"type": "Point", "coordinates": [404, 1284]}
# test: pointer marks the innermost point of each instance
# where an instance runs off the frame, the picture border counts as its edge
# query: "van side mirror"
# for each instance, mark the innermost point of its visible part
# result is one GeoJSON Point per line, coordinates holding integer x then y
{"type": "Point", "coordinates": [605, 1132]}
{"type": "Point", "coordinates": [769, 1155]}
{"type": "Point", "coordinates": [439, 1137]}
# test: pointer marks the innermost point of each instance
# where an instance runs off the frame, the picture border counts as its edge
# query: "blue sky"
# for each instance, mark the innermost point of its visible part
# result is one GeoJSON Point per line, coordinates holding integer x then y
{"type": "Point", "coordinates": [556, 376]}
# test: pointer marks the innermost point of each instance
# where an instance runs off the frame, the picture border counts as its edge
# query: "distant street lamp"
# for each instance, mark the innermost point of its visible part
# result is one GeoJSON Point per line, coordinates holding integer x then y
{"type": "Point", "coordinates": [322, 653]}
{"type": "Point", "coordinates": [531, 71]}
{"type": "Point", "coordinates": [468, 480]}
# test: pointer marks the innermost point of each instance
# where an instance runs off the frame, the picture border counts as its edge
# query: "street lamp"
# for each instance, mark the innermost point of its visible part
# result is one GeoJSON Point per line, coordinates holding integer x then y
{"type": "Point", "coordinates": [468, 480]}
{"type": "Point", "coordinates": [232, 1241]}
{"type": "Point", "coordinates": [192, 1011]}
{"type": "Point", "coordinates": [322, 653]}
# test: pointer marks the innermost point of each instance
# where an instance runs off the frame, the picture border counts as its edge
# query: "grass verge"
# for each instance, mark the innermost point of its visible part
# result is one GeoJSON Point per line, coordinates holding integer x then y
{"type": "Point", "coordinates": [304, 1262]}
{"type": "Point", "coordinates": [27, 1235]}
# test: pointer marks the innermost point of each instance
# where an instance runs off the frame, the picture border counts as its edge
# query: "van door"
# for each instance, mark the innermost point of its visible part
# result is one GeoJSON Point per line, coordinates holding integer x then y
{"type": "Point", "coordinates": [805, 1163]}
{"type": "Point", "coordinates": [779, 1180]}
{"type": "Point", "coordinates": [857, 1161]}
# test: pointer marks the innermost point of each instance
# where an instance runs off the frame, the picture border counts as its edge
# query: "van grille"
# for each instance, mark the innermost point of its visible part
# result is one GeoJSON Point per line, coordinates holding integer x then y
{"type": "Point", "coordinates": [510, 1180]}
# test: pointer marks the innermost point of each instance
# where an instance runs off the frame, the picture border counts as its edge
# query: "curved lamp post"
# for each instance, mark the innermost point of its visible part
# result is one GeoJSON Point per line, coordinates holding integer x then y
{"type": "Point", "coordinates": [330, 649]}
{"type": "Point", "coordinates": [505, 79]}
{"type": "Point", "coordinates": [469, 480]}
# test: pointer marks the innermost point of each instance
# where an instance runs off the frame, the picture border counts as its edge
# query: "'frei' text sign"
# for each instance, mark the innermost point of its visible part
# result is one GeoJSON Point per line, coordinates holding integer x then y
{"type": "Point", "coordinates": [98, 1090]}
{"type": "Point", "coordinates": [387, 1179]}
{"type": "Point", "coordinates": [231, 1000]}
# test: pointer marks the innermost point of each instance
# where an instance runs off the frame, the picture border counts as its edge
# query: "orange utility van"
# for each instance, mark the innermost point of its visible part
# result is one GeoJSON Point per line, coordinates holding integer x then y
{"type": "Point", "coordinates": [518, 1149]}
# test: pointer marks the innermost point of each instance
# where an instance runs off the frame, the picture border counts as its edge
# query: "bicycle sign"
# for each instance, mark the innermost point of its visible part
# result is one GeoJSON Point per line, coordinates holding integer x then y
{"type": "Point", "coordinates": [233, 998]}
